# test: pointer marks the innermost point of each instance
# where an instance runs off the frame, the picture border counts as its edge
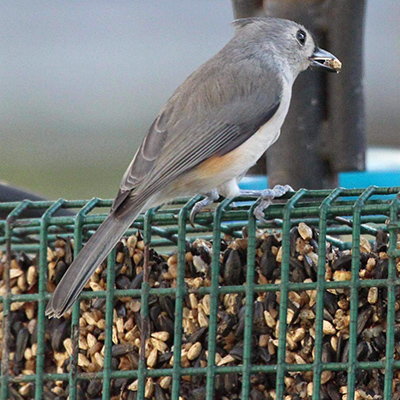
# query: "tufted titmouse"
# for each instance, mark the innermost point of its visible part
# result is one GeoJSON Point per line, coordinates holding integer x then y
{"type": "Point", "coordinates": [215, 126]}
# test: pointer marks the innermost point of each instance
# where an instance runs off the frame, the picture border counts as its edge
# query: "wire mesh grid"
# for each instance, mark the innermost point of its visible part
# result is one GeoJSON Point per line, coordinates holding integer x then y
{"type": "Point", "coordinates": [336, 215]}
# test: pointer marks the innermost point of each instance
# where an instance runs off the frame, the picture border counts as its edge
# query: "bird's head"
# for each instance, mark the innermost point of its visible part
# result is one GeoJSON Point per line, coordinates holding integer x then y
{"type": "Point", "coordinates": [285, 43]}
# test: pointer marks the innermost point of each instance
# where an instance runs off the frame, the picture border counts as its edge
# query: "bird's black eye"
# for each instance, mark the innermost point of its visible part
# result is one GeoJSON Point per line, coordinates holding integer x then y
{"type": "Point", "coordinates": [301, 37]}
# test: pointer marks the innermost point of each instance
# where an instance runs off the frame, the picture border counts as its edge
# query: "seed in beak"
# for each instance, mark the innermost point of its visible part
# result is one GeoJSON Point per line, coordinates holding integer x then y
{"type": "Point", "coordinates": [334, 64]}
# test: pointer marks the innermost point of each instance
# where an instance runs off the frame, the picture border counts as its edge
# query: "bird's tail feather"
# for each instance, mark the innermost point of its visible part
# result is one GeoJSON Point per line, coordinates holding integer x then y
{"type": "Point", "coordinates": [90, 257]}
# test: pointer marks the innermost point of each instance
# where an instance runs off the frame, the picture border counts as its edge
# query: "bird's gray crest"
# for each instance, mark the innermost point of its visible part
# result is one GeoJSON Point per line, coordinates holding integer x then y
{"type": "Point", "coordinates": [241, 22]}
{"type": "Point", "coordinates": [265, 21]}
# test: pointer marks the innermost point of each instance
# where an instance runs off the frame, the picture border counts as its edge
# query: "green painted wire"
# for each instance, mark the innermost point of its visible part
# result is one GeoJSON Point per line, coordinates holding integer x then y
{"type": "Point", "coordinates": [359, 205]}
{"type": "Point", "coordinates": [373, 211]}
{"type": "Point", "coordinates": [283, 306]}
{"type": "Point", "coordinates": [319, 314]}
{"type": "Point", "coordinates": [248, 318]}
{"type": "Point", "coordinates": [79, 220]}
{"type": "Point", "coordinates": [266, 368]}
{"type": "Point", "coordinates": [391, 300]}
{"type": "Point", "coordinates": [41, 318]}
{"type": "Point", "coordinates": [7, 299]}
{"type": "Point", "coordinates": [214, 293]}
{"type": "Point", "coordinates": [144, 307]}
{"type": "Point", "coordinates": [180, 293]}
{"type": "Point", "coordinates": [106, 393]}
{"type": "Point", "coordinates": [270, 287]}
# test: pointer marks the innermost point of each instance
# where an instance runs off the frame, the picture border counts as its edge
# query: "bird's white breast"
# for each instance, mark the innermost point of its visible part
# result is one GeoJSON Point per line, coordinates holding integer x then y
{"type": "Point", "coordinates": [247, 154]}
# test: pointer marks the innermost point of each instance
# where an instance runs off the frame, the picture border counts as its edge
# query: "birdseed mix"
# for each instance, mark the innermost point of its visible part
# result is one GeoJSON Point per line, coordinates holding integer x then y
{"type": "Point", "coordinates": [126, 331]}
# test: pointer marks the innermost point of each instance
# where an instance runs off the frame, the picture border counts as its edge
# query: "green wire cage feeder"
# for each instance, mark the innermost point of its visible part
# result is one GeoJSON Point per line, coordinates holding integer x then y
{"type": "Point", "coordinates": [305, 307]}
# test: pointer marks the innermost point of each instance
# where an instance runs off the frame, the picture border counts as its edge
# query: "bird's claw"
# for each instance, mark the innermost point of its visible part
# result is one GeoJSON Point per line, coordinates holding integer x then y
{"type": "Point", "coordinates": [211, 197]}
{"type": "Point", "coordinates": [267, 196]}
{"type": "Point", "coordinates": [195, 210]}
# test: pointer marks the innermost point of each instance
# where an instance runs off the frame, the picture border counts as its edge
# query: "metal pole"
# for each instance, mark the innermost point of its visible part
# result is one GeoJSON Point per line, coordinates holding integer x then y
{"type": "Point", "coordinates": [247, 8]}
{"type": "Point", "coordinates": [346, 101]}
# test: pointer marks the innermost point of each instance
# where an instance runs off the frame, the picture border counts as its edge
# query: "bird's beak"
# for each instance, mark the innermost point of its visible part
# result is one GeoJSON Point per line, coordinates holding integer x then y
{"type": "Point", "coordinates": [324, 59]}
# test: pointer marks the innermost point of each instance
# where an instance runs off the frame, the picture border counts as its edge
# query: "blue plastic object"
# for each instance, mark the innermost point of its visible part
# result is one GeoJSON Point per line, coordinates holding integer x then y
{"type": "Point", "coordinates": [347, 180]}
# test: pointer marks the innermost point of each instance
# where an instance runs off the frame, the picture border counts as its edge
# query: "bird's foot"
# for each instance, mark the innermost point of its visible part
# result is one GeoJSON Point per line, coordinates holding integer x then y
{"type": "Point", "coordinates": [210, 198]}
{"type": "Point", "coordinates": [266, 195]}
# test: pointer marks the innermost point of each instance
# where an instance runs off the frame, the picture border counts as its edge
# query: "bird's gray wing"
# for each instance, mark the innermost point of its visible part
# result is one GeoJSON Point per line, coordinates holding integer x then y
{"type": "Point", "coordinates": [180, 146]}
{"type": "Point", "coordinates": [144, 159]}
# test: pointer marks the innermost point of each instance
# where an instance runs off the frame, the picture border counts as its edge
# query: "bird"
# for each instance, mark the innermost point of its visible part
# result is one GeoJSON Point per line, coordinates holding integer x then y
{"type": "Point", "coordinates": [214, 127]}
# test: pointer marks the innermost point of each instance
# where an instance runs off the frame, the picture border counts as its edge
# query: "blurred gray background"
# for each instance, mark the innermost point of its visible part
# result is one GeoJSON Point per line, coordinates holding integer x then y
{"type": "Point", "coordinates": [81, 81]}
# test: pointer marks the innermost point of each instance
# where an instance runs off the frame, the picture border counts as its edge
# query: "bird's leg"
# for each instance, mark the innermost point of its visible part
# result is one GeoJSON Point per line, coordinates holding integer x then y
{"type": "Point", "coordinates": [210, 198]}
{"type": "Point", "coordinates": [266, 195]}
